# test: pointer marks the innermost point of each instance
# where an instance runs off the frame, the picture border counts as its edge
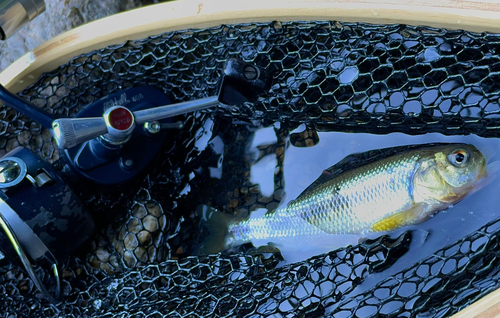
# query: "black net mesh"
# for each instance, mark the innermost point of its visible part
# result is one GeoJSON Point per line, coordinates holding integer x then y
{"type": "Point", "coordinates": [331, 76]}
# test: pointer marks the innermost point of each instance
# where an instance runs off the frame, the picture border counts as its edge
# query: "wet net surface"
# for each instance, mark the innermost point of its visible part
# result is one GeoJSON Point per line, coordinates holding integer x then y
{"type": "Point", "coordinates": [331, 76]}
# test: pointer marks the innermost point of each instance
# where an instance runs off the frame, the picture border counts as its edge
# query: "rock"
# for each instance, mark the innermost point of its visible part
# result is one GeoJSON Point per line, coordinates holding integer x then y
{"type": "Point", "coordinates": [59, 16]}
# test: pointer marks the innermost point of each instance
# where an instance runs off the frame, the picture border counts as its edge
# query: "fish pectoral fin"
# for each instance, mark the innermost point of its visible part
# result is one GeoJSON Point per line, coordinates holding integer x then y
{"type": "Point", "coordinates": [399, 219]}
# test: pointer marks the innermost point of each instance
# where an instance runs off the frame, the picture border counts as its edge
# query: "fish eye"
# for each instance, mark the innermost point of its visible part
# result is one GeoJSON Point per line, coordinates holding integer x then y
{"type": "Point", "coordinates": [458, 158]}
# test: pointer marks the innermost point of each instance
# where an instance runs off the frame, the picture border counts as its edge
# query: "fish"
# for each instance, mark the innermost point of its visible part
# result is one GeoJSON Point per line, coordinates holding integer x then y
{"type": "Point", "coordinates": [363, 194]}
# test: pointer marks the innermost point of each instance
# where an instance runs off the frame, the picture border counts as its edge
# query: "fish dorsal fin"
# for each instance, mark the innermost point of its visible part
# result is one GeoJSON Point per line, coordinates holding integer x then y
{"type": "Point", "coordinates": [325, 176]}
{"type": "Point", "coordinates": [403, 218]}
{"type": "Point", "coordinates": [357, 160]}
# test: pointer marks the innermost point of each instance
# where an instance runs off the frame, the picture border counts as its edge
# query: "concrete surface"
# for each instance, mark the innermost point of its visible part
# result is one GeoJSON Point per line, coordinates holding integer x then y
{"type": "Point", "coordinates": [60, 16]}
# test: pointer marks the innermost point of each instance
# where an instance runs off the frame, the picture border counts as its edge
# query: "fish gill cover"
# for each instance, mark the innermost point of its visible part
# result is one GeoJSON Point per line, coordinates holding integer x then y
{"type": "Point", "coordinates": [330, 76]}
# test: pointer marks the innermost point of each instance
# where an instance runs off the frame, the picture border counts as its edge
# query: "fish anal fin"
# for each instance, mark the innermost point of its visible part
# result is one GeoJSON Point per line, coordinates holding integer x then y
{"type": "Point", "coordinates": [399, 219]}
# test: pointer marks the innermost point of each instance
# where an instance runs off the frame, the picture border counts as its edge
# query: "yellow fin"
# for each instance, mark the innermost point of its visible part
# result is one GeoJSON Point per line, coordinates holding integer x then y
{"type": "Point", "coordinates": [399, 219]}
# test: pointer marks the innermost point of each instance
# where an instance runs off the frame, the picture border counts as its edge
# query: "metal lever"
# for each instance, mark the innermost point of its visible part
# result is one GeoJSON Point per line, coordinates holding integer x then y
{"type": "Point", "coordinates": [69, 132]}
{"type": "Point", "coordinates": [162, 112]}
{"type": "Point", "coordinates": [241, 82]}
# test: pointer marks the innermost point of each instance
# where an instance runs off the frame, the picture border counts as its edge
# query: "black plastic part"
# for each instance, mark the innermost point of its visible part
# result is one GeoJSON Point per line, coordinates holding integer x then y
{"type": "Point", "coordinates": [25, 108]}
{"type": "Point", "coordinates": [101, 155]}
{"type": "Point", "coordinates": [104, 166]}
{"type": "Point", "coordinates": [54, 213]}
{"type": "Point", "coordinates": [243, 82]}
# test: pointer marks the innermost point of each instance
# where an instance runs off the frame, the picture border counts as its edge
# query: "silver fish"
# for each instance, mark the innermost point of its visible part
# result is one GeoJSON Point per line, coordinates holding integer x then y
{"type": "Point", "coordinates": [400, 190]}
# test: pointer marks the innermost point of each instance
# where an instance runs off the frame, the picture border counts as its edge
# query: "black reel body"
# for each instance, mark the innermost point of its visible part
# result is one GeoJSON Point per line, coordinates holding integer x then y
{"type": "Point", "coordinates": [41, 219]}
{"type": "Point", "coordinates": [44, 201]}
{"type": "Point", "coordinates": [104, 163]}
{"type": "Point", "coordinates": [112, 140]}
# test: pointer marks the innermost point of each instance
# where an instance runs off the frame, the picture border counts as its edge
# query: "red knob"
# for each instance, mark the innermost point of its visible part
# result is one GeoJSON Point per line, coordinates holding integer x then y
{"type": "Point", "coordinates": [121, 118]}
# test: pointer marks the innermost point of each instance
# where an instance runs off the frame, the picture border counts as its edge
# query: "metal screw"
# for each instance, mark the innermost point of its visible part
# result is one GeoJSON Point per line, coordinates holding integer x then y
{"type": "Point", "coordinates": [250, 72]}
{"type": "Point", "coordinates": [9, 171]}
{"type": "Point", "coordinates": [153, 127]}
{"type": "Point", "coordinates": [128, 163]}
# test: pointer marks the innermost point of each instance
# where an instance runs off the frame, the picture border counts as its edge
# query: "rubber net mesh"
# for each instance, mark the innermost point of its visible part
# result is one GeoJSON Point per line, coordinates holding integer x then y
{"type": "Point", "coordinates": [332, 76]}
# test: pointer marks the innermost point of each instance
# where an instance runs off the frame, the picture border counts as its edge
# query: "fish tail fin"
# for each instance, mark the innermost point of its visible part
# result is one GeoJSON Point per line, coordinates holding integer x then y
{"type": "Point", "coordinates": [217, 224]}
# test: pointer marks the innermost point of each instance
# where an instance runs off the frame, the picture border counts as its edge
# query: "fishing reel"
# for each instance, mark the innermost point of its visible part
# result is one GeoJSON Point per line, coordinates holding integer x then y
{"type": "Point", "coordinates": [108, 144]}
{"type": "Point", "coordinates": [41, 218]}
{"type": "Point", "coordinates": [111, 141]}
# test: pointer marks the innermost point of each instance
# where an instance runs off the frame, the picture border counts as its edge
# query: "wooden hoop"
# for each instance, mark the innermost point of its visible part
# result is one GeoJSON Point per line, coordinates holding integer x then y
{"type": "Point", "coordinates": [486, 307]}
{"type": "Point", "coordinates": [472, 15]}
